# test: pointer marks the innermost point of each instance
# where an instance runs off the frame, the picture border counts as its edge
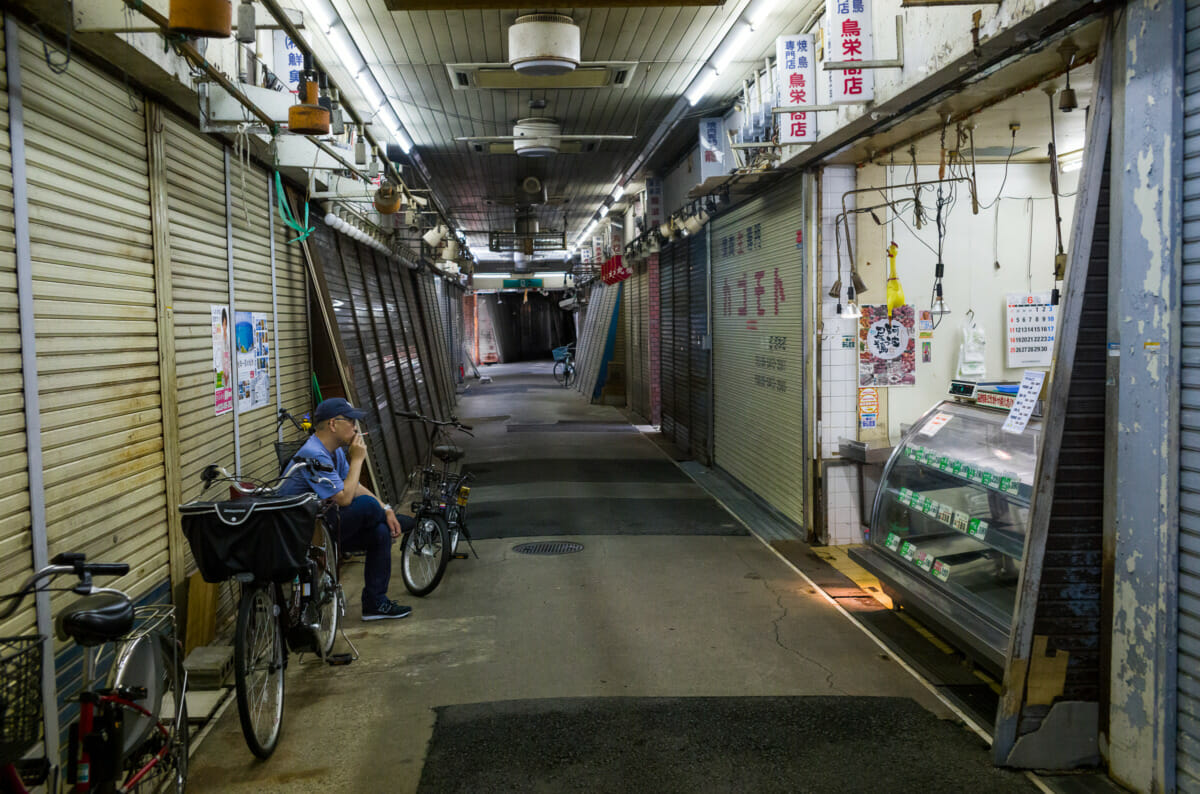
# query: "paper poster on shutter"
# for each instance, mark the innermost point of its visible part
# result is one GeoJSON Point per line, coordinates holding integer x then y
{"type": "Point", "coordinates": [795, 60]}
{"type": "Point", "coordinates": [712, 148]}
{"type": "Point", "coordinates": [253, 383]}
{"type": "Point", "coordinates": [222, 361]}
{"type": "Point", "coordinates": [850, 39]}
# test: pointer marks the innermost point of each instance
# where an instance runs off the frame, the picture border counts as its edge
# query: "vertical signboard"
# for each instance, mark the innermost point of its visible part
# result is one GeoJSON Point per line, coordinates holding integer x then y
{"type": "Point", "coordinates": [850, 39]}
{"type": "Point", "coordinates": [289, 60]}
{"type": "Point", "coordinates": [712, 148]}
{"type": "Point", "coordinates": [654, 202]}
{"type": "Point", "coordinates": [796, 66]}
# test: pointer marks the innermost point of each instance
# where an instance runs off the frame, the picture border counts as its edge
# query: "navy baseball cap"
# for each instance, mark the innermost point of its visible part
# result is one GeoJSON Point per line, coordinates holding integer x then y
{"type": "Point", "coordinates": [336, 406]}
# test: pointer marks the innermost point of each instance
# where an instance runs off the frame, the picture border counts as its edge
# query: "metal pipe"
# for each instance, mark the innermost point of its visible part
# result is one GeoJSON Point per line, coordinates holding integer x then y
{"type": "Point", "coordinates": [29, 375]}
{"type": "Point", "coordinates": [231, 338]}
{"type": "Point", "coordinates": [271, 198]}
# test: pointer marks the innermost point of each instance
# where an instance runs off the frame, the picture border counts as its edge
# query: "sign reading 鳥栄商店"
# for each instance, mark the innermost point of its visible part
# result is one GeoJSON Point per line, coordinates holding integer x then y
{"type": "Point", "coordinates": [795, 60]}
{"type": "Point", "coordinates": [849, 39]}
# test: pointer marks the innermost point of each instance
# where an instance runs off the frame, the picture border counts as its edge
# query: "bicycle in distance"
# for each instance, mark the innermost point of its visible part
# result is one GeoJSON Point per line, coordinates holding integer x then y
{"type": "Point", "coordinates": [131, 733]}
{"type": "Point", "coordinates": [441, 512]}
{"type": "Point", "coordinates": [564, 365]}
{"type": "Point", "coordinates": [285, 558]}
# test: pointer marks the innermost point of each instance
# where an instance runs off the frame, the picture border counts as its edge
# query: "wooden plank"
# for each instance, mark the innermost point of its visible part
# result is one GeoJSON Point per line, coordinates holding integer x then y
{"type": "Point", "coordinates": [201, 613]}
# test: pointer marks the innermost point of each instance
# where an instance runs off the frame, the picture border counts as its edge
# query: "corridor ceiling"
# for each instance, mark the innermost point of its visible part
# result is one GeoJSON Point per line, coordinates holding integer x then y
{"type": "Point", "coordinates": [416, 55]}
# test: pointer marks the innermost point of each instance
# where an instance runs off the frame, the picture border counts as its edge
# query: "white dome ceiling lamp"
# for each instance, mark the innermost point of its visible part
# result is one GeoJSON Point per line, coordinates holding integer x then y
{"type": "Point", "coordinates": [543, 45]}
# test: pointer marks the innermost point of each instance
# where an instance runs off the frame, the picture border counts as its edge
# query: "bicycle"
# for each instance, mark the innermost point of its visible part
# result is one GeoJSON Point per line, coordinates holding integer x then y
{"type": "Point", "coordinates": [564, 365]}
{"type": "Point", "coordinates": [121, 739]}
{"type": "Point", "coordinates": [286, 559]}
{"type": "Point", "coordinates": [441, 513]}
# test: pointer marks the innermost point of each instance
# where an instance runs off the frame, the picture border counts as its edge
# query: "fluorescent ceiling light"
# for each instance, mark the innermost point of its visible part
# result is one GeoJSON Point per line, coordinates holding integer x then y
{"type": "Point", "coordinates": [324, 14]}
{"type": "Point", "coordinates": [701, 86]}
{"type": "Point", "coordinates": [603, 210]}
{"type": "Point", "coordinates": [1071, 161]}
{"type": "Point", "coordinates": [618, 191]}
{"type": "Point", "coordinates": [731, 47]}
{"type": "Point", "coordinates": [370, 91]}
{"type": "Point", "coordinates": [345, 49]}
{"type": "Point", "coordinates": [758, 12]}
{"type": "Point", "coordinates": [493, 275]}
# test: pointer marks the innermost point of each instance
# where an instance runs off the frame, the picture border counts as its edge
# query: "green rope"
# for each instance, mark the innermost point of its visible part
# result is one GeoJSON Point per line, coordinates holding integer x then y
{"type": "Point", "coordinates": [285, 213]}
{"type": "Point", "coordinates": [316, 388]}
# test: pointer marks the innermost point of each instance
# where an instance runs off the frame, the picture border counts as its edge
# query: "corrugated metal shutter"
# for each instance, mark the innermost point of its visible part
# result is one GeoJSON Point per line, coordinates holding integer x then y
{"type": "Point", "coordinates": [15, 537]}
{"type": "Point", "coordinates": [698, 350]}
{"type": "Point", "coordinates": [94, 302]}
{"type": "Point", "coordinates": [637, 349]}
{"type": "Point", "coordinates": [437, 365]}
{"type": "Point", "coordinates": [1188, 684]}
{"type": "Point", "coordinates": [758, 348]}
{"type": "Point", "coordinates": [294, 358]}
{"type": "Point", "coordinates": [593, 341]}
{"type": "Point", "coordinates": [666, 343]}
{"type": "Point", "coordinates": [415, 379]}
{"type": "Point", "coordinates": [654, 337]}
{"type": "Point", "coordinates": [681, 325]}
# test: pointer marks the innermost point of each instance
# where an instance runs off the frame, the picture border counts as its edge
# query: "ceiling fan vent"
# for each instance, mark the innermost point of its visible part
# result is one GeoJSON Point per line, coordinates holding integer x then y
{"type": "Point", "coordinates": [543, 44]}
{"type": "Point", "coordinates": [536, 137]}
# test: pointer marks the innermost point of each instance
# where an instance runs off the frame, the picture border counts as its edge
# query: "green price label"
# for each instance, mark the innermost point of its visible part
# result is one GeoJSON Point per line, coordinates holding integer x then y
{"type": "Point", "coordinates": [957, 468]}
{"type": "Point", "coordinates": [941, 570]}
{"type": "Point", "coordinates": [929, 507]}
{"type": "Point", "coordinates": [907, 550]}
{"type": "Point", "coordinates": [924, 560]}
{"type": "Point", "coordinates": [977, 528]}
{"type": "Point", "coordinates": [893, 541]}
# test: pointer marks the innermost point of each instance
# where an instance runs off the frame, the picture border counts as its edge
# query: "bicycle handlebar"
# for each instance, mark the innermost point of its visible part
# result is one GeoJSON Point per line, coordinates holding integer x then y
{"type": "Point", "coordinates": [451, 422]}
{"type": "Point", "coordinates": [68, 562]}
{"type": "Point", "coordinates": [212, 473]}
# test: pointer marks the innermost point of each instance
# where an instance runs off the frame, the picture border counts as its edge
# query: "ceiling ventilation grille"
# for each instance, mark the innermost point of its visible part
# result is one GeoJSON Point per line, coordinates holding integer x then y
{"type": "Point", "coordinates": [500, 76]}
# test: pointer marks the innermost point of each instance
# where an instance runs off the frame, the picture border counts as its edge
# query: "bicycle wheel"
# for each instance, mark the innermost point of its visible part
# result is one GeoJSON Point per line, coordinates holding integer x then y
{"type": "Point", "coordinates": [177, 754]}
{"type": "Point", "coordinates": [327, 594]}
{"type": "Point", "coordinates": [424, 553]}
{"type": "Point", "coordinates": [258, 654]}
{"type": "Point", "coordinates": [154, 662]}
{"type": "Point", "coordinates": [559, 366]}
{"type": "Point", "coordinates": [569, 375]}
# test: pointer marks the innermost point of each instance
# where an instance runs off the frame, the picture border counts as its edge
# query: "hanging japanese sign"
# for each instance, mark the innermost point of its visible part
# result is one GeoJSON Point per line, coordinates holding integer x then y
{"type": "Point", "coordinates": [1031, 324]}
{"type": "Point", "coordinates": [222, 361]}
{"type": "Point", "coordinates": [614, 271]}
{"type": "Point", "coordinates": [254, 382]}
{"type": "Point", "coordinates": [850, 39]}
{"type": "Point", "coordinates": [289, 61]}
{"type": "Point", "coordinates": [598, 248]}
{"type": "Point", "coordinates": [796, 65]}
{"type": "Point", "coordinates": [654, 202]}
{"type": "Point", "coordinates": [712, 148]}
{"type": "Point", "coordinates": [887, 350]}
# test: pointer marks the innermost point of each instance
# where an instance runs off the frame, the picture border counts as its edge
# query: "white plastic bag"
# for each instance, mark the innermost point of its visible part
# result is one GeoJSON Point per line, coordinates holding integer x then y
{"type": "Point", "coordinates": [971, 362]}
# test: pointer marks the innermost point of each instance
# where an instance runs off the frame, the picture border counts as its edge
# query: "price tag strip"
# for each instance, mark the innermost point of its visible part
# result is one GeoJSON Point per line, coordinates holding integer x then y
{"type": "Point", "coordinates": [1007, 483]}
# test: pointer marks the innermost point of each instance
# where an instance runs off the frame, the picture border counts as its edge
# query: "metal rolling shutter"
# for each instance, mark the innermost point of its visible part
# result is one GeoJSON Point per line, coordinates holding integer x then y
{"type": "Point", "coordinates": [252, 292]}
{"type": "Point", "coordinates": [698, 350]}
{"type": "Point", "coordinates": [401, 388]}
{"type": "Point", "coordinates": [1187, 762]}
{"type": "Point", "coordinates": [415, 385]}
{"type": "Point", "coordinates": [666, 346]}
{"type": "Point", "coordinates": [437, 366]}
{"type": "Point", "coordinates": [644, 348]}
{"type": "Point", "coordinates": [94, 302]}
{"type": "Point", "coordinates": [636, 350]}
{"type": "Point", "coordinates": [681, 305]}
{"type": "Point", "coordinates": [15, 537]}
{"type": "Point", "coordinates": [758, 348]}
{"type": "Point", "coordinates": [291, 327]}
{"type": "Point", "coordinates": [593, 341]}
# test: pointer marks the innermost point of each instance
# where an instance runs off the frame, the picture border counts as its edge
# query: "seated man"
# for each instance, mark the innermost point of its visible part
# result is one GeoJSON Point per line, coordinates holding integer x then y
{"type": "Point", "coordinates": [359, 519]}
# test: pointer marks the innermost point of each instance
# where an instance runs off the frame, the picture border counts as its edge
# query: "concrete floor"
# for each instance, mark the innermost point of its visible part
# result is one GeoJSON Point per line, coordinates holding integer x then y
{"type": "Point", "coordinates": [663, 614]}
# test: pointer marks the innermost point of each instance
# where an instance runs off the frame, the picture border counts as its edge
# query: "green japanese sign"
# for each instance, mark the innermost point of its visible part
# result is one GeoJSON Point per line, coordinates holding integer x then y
{"type": "Point", "coordinates": [521, 283]}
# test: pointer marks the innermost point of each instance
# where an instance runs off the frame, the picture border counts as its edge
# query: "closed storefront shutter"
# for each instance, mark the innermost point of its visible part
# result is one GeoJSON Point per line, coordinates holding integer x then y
{"type": "Point", "coordinates": [15, 551]}
{"type": "Point", "coordinates": [645, 349]}
{"type": "Point", "coordinates": [666, 346]}
{"type": "Point", "coordinates": [594, 336]}
{"type": "Point", "coordinates": [95, 315]}
{"type": "Point", "coordinates": [438, 363]}
{"type": "Point", "coordinates": [681, 320]}
{"type": "Point", "coordinates": [637, 348]}
{"type": "Point", "coordinates": [758, 348]}
{"type": "Point", "coordinates": [698, 348]}
{"type": "Point", "coordinates": [1188, 743]}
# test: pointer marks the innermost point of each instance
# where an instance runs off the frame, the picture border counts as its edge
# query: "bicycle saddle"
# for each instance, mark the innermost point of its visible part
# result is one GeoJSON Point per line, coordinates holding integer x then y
{"type": "Point", "coordinates": [96, 619]}
{"type": "Point", "coordinates": [448, 453]}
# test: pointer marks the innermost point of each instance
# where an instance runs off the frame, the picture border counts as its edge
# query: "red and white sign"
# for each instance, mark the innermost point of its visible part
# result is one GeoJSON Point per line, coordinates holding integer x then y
{"type": "Point", "coordinates": [614, 271]}
{"type": "Point", "coordinates": [850, 39]}
{"type": "Point", "coordinates": [795, 61]}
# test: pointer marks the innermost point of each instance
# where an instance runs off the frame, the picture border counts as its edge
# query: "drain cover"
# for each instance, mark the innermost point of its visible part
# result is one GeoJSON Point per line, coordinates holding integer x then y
{"type": "Point", "coordinates": [548, 547]}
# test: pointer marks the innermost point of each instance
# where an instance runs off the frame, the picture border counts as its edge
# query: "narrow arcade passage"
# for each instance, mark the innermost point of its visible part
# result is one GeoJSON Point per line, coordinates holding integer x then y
{"type": "Point", "coordinates": [675, 652]}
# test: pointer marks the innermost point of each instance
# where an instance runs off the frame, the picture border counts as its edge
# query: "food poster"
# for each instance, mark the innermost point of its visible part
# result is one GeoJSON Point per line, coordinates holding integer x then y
{"type": "Point", "coordinates": [222, 362]}
{"type": "Point", "coordinates": [254, 381]}
{"type": "Point", "coordinates": [887, 349]}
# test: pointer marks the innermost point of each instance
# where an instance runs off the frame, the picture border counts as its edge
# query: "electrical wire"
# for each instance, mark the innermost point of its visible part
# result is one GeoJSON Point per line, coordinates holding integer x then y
{"type": "Point", "coordinates": [1011, 149]}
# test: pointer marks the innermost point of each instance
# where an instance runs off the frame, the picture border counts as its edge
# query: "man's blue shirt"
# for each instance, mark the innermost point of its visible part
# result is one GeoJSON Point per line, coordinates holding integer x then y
{"type": "Point", "coordinates": [303, 480]}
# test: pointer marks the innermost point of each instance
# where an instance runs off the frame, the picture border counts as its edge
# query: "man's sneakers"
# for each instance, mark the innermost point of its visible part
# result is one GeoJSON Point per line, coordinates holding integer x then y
{"type": "Point", "coordinates": [387, 610]}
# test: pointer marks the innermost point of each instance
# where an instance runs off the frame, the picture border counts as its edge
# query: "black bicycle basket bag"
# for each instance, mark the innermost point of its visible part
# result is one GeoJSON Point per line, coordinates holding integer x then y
{"type": "Point", "coordinates": [267, 536]}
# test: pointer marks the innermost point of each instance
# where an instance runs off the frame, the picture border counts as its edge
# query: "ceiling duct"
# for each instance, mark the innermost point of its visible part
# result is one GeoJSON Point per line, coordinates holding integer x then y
{"type": "Point", "coordinates": [530, 191]}
{"type": "Point", "coordinates": [536, 137]}
{"type": "Point", "coordinates": [543, 44]}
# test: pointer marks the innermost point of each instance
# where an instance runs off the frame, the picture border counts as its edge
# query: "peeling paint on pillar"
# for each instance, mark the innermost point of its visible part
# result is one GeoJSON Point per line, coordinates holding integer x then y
{"type": "Point", "coordinates": [1141, 511]}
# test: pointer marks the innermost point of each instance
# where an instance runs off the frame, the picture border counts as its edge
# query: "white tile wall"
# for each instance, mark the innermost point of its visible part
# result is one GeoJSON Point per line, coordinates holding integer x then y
{"type": "Point", "coordinates": [839, 367]}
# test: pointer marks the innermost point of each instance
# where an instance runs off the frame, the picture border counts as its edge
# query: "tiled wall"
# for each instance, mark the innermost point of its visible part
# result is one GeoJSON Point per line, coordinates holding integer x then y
{"type": "Point", "coordinates": [839, 368]}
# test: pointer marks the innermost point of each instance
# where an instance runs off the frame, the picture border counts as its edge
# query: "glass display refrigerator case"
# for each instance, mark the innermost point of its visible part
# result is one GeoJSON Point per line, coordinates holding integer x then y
{"type": "Point", "coordinates": [950, 517]}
